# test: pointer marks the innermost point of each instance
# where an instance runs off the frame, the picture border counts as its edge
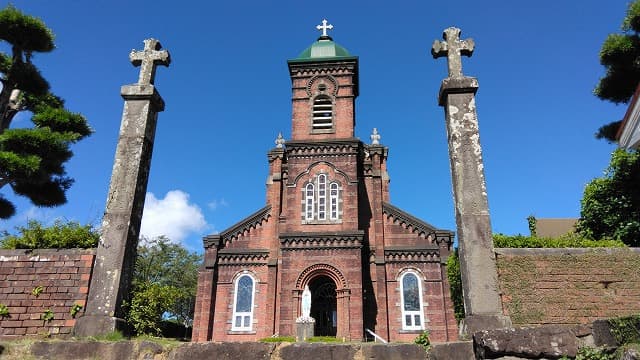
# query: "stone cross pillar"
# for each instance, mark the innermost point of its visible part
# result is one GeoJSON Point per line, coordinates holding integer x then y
{"type": "Point", "coordinates": [482, 302]}
{"type": "Point", "coordinates": [116, 253]}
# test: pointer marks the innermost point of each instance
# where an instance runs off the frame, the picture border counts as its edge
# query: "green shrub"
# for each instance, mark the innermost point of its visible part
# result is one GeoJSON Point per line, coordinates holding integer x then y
{"type": "Point", "coordinates": [148, 304]}
{"type": "Point", "coordinates": [626, 329]}
{"type": "Point", "coordinates": [455, 284]}
{"type": "Point", "coordinates": [47, 315]}
{"type": "Point", "coordinates": [60, 235]}
{"type": "Point", "coordinates": [4, 312]}
{"type": "Point", "coordinates": [589, 353]}
{"type": "Point", "coordinates": [75, 309]}
{"type": "Point", "coordinates": [423, 340]}
{"type": "Point", "coordinates": [565, 241]}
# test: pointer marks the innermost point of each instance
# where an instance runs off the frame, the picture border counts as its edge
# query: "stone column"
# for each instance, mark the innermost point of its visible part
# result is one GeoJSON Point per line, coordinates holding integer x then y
{"type": "Point", "coordinates": [482, 302]}
{"type": "Point", "coordinates": [116, 253]}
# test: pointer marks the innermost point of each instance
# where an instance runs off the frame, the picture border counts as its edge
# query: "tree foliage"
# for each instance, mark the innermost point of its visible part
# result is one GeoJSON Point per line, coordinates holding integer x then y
{"type": "Point", "coordinates": [455, 284]}
{"type": "Point", "coordinates": [611, 204]}
{"type": "Point", "coordinates": [32, 159]}
{"type": "Point", "coordinates": [164, 285]}
{"type": "Point", "coordinates": [620, 55]}
{"type": "Point", "coordinates": [60, 235]}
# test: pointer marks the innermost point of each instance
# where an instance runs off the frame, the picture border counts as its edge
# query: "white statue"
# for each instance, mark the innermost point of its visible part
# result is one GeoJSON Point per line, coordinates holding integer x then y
{"type": "Point", "coordinates": [306, 302]}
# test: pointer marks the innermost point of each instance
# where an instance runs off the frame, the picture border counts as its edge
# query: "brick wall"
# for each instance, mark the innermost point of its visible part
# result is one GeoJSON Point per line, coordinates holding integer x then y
{"type": "Point", "coordinates": [568, 286]}
{"type": "Point", "coordinates": [63, 276]}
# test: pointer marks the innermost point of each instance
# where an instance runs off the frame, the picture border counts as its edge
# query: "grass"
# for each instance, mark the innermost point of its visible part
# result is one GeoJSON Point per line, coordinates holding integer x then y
{"type": "Point", "coordinates": [278, 339]}
{"type": "Point", "coordinates": [324, 339]}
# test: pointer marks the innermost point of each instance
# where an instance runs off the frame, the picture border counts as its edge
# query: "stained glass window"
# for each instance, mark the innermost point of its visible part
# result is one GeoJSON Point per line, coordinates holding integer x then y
{"type": "Point", "coordinates": [243, 308]}
{"type": "Point", "coordinates": [411, 302]}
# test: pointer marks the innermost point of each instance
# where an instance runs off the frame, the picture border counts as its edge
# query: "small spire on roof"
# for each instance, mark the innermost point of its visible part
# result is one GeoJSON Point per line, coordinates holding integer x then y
{"type": "Point", "coordinates": [375, 137]}
{"type": "Point", "coordinates": [324, 27]}
{"type": "Point", "coordinates": [279, 141]}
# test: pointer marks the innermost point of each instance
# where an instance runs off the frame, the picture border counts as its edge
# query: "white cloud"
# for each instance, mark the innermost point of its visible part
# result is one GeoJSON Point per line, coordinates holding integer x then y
{"type": "Point", "coordinates": [172, 216]}
{"type": "Point", "coordinates": [43, 215]}
{"type": "Point", "coordinates": [215, 203]}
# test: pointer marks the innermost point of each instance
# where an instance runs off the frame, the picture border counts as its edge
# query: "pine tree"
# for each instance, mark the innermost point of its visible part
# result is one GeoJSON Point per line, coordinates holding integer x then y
{"type": "Point", "coordinates": [32, 159]}
{"type": "Point", "coordinates": [620, 55]}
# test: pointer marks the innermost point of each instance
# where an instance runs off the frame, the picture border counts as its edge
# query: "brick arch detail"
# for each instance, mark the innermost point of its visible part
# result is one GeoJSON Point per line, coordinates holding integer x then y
{"type": "Point", "coordinates": [411, 269]}
{"type": "Point", "coordinates": [328, 78]}
{"type": "Point", "coordinates": [316, 270]}
{"type": "Point", "coordinates": [311, 166]}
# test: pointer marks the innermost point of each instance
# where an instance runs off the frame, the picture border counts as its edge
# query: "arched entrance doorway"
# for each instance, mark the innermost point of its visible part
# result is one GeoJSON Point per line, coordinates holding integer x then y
{"type": "Point", "coordinates": [324, 305]}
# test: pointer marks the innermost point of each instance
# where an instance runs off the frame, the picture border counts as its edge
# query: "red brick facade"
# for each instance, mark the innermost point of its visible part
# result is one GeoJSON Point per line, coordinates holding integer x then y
{"type": "Point", "coordinates": [33, 282]}
{"type": "Point", "coordinates": [328, 224]}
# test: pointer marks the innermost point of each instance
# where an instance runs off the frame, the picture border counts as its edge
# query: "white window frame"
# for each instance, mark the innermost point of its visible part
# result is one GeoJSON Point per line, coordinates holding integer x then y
{"type": "Point", "coordinates": [309, 201]}
{"type": "Point", "coordinates": [322, 197]}
{"type": "Point", "coordinates": [414, 325]}
{"type": "Point", "coordinates": [334, 200]}
{"type": "Point", "coordinates": [243, 315]}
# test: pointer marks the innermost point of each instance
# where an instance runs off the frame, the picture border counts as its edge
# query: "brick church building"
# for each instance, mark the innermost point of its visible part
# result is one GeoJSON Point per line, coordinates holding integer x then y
{"type": "Point", "coordinates": [328, 224]}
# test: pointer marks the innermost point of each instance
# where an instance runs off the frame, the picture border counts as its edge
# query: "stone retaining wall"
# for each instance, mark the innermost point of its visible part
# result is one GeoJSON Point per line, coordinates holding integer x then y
{"type": "Point", "coordinates": [568, 286]}
{"type": "Point", "coordinates": [39, 289]}
{"type": "Point", "coordinates": [66, 350]}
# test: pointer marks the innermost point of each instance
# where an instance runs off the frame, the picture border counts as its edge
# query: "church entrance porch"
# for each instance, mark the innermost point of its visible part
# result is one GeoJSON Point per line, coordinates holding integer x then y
{"type": "Point", "coordinates": [324, 305]}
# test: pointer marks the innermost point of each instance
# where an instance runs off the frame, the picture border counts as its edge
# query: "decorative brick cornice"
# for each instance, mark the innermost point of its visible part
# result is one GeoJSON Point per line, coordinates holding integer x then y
{"type": "Point", "coordinates": [250, 222]}
{"type": "Point", "coordinates": [324, 67]}
{"type": "Point", "coordinates": [322, 241]}
{"type": "Point", "coordinates": [418, 226]}
{"type": "Point", "coordinates": [368, 152]}
{"type": "Point", "coordinates": [275, 153]}
{"type": "Point", "coordinates": [229, 257]}
{"type": "Point", "coordinates": [330, 147]}
{"type": "Point", "coordinates": [412, 255]}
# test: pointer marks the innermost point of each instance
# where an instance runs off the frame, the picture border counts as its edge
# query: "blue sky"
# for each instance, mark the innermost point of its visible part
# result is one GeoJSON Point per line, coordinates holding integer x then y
{"type": "Point", "coordinates": [227, 95]}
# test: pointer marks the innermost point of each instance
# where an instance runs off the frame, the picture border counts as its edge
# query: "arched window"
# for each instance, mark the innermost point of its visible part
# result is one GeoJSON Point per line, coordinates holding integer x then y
{"type": "Point", "coordinates": [309, 202]}
{"type": "Point", "coordinates": [243, 303]}
{"type": "Point", "coordinates": [322, 197]}
{"type": "Point", "coordinates": [321, 201]}
{"type": "Point", "coordinates": [322, 113]}
{"type": "Point", "coordinates": [411, 302]}
{"type": "Point", "coordinates": [333, 196]}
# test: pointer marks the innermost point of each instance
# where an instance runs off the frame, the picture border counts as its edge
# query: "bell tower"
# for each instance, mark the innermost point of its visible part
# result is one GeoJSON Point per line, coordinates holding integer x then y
{"type": "Point", "coordinates": [324, 80]}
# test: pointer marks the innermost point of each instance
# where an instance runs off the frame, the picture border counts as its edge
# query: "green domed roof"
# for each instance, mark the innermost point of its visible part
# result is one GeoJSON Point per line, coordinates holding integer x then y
{"type": "Point", "coordinates": [323, 48]}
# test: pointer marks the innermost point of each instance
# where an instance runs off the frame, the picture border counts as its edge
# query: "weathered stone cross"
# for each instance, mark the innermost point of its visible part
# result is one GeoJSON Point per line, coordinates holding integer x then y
{"type": "Point", "coordinates": [453, 48]}
{"type": "Point", "coordinates": [324, 27]}
{"type": "Point", "coordinates": [148, 59]}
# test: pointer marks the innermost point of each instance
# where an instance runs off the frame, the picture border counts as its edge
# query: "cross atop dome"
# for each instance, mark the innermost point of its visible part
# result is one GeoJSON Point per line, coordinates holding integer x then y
{"type": "Point", "coordinates": [324, 27]}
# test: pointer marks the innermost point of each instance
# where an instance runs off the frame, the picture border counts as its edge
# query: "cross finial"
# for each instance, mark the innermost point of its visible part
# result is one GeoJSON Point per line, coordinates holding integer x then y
{"type": "Point", "coordinates": [148, 59]}
{"type": "Point", "coordinates": [453, 48]}
{"type": "Point", "coordinates": [324, 27]}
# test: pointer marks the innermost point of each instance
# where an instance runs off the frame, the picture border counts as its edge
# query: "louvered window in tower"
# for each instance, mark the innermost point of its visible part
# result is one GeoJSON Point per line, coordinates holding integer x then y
{"type": "Point", "coordinates": [322, 113]}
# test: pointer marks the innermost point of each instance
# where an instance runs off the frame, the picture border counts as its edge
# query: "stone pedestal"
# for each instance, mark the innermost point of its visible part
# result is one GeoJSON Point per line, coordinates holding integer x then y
{"type": "Point", "coordinates": [305, 327]}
